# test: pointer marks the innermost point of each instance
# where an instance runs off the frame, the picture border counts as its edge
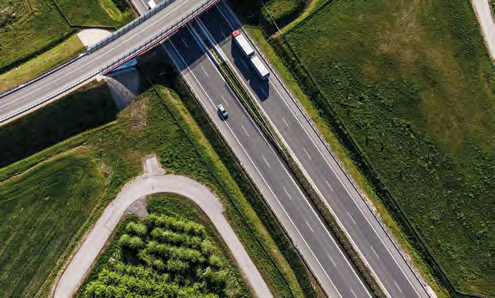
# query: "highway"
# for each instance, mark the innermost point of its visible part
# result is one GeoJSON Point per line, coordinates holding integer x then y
{"type": "Point", "coordinates": [88, 66]}
{"type": "Point", "coordinates": [368, 236]}
{"type": "Point", "coordinates": [267, 170]}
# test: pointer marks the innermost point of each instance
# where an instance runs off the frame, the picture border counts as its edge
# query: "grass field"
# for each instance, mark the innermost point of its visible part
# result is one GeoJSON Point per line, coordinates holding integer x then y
{"type": "Point", "coordinates": [41, 64]}
{"type": "Point", "coordinates": [30, 28]}
{"type": "Point", "coordinates": [414, 85]}
{"type": "Point", "coordinates": [173, 208]}
{"type": "Point", "coordinates": [95, 13]}
{"type": "Point", "coordinates": [145, 127]}
{"type": "Point", "coordinates": [41, 210]}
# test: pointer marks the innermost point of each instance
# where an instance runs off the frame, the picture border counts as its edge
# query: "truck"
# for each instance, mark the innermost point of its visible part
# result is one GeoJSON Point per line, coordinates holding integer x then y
{"type": "Point", "coordinates": [260, 68]}
{"type": "Point", "coordinates": [243, 43]}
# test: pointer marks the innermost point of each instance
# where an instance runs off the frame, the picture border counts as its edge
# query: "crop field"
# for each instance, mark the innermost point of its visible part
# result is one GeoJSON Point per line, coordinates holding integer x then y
{"type": "Point", "coordinates": [413, 83]}
{"type": "Point", "coordinates": [40, 210]}
{"type": "Point", "coordinates": [29, 28]}
{"type": "Point", "coordinates": [166, 254]}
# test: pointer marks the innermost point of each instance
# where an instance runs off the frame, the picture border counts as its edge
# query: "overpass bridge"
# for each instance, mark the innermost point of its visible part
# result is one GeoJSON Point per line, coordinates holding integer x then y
{"type": "Point", "coordinates": [122, 46]}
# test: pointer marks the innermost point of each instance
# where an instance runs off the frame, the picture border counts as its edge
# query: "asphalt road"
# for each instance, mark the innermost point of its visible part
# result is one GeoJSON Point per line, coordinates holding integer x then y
{"type": "Point", "coordinates": [80, 69]}
{"type": "Point", "coordinates": [86, 255]}
{"type": "Point", "coordinates": [359, 222]}
{"type": "Point", "coordinates": [268, 171]}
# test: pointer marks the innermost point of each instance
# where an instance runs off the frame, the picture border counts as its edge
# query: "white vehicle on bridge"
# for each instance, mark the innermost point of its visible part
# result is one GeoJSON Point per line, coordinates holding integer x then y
{"type": "Point", "coordinates": [243, 43]}
{"type": "Point", "coordinates": [260, 68]}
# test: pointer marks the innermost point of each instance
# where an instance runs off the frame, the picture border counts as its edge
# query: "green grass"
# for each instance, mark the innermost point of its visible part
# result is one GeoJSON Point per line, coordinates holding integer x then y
{"type": "Point", "coordinates": [177, 208]}
{"type": "Point", "coordinates": [32, 27]}
{"type": "Point", "coordinates": [146, 127]}
{"type": "Point", "coordinates": [41, 64]}
{"type": "Point", "coordinates": [41, 210]}
{"type": "Point", "coordinates": [84, 109]}
{"type": "Point", "coordinates": [95, 13]}
{"type": "Point", "coordinates": [414, 85]}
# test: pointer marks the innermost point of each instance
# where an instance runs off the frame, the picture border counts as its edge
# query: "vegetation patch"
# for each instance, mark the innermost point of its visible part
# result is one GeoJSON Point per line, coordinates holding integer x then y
{"type": "Point", "coordinates": [173, 252]}
{"type": "Point", "coordinates": [95, 13]}
{"type": "Point", "coordinates": [415, 89]}
{"type": "Point", "coordinates": [41, 210]}
{"type": "Point", "coordinates": [43, 63]}
{"type": "Point", "coordinates": [30, 28]}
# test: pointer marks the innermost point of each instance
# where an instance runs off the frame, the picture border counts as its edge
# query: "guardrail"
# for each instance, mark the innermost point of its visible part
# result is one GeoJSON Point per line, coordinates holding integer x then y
{"type": "Point", "coordinates": [119, 61]}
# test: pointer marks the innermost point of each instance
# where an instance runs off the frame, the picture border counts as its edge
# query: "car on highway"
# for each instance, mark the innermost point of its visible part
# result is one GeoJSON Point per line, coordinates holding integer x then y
{"type": "Point", "coordinates": [222, 112]}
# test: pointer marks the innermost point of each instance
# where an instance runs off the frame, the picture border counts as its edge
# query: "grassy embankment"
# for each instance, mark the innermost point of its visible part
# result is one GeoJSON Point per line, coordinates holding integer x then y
{"type": "Point", "coordinates": [50, 59]}
{"type": "Point", "coordinates": [166, 251]}
{"type": "Point", "coordinates": [35, 32]}
{"type": "Point", "coordinates": [145, 127]}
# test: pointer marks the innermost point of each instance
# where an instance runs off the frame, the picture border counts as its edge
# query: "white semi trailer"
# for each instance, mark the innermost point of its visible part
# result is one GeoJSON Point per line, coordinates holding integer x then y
{"type": "Point", "coordinates": [260, 68]}
{"type": "Point", "coordinates": [243, 43]}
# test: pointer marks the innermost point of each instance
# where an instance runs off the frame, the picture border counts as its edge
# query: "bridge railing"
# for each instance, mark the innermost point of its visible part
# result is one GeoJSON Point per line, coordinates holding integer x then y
{"type": "Point", "coordinates": [121, 60]}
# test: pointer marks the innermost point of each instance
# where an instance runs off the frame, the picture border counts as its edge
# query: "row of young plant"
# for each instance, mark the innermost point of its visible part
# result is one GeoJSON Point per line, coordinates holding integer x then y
{"type": "Point", "coordinates": [166, 256]}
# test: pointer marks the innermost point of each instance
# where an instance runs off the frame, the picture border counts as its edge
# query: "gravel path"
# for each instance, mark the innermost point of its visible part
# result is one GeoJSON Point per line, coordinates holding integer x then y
{"type": "Point", "coordinates": [484, 15]}
{"type": "Point", "coordinates": [152, 183]}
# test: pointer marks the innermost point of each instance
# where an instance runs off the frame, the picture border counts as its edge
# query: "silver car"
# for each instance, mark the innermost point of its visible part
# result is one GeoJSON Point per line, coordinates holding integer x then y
{"type": "Point", "coordinates": [222, 112]}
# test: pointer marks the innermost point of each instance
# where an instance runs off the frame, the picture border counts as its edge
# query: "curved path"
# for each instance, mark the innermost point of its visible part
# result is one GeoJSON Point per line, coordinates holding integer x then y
{"type": "Point", "coordinates": [80, 265]}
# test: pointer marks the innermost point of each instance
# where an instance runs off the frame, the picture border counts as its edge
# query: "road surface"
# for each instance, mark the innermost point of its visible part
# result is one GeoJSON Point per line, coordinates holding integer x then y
{"type": "Point", "coordinates": [319, 249]}
{"type": "Point", "coordinates": [80, 265]}
{"type": "Point", "coordinates": [364, 229]}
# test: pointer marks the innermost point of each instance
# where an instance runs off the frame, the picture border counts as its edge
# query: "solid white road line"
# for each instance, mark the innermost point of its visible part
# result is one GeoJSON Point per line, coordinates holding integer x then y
{"type": "Point", "coordinates": [184, 42]}
{"type": "Point", "coordinates": [225, 101]}
{"type": "Point", "coordinates": [244, 130]}
{"type": "Point", "coordinates": [328, 183]}
{"type": "Point", "coordinates": [307, 153]}
{"type": "Point", "coordinates": [287, 193]}
{"type": "Point", "coordinates": [244, 63]}
{"type": "Point", "coordinates": [397, 286]}
{"type": "Point", "coordinates": [331, 260]}
{"type": "Point", "coordinates": [204, 71]}
{"type": "Point", "coordinates": [310, 227]}
{"type": "Point", "coordinates": [287, 124]}
{"type": "Point", "coordinates": [353, 293]}
{"type": "Point", "coordinates": [266, 161]}
{"type": "Point", "coordinates": [351, 218]}
{"type": "Point", "coordinates": [374, 251]}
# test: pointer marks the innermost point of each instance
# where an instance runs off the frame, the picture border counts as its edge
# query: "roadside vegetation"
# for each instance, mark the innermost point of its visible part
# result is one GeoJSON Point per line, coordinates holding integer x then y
{"type": "Point", "coordinates": [414, 86]}
{"type": "Point", "coordinates": [50, 59]}
{"type": "Point", "coordinates": [86, 121]}
{"type": "Point", "coordinates": [30, 28]}
{"type": "Point", "coordinates": [174, 251]}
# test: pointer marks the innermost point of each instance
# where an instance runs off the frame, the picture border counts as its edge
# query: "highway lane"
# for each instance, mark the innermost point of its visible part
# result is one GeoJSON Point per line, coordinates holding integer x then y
{"type": "Point", "coordinates": [73, 73]}
{"type": "Point", "coordinates": [364, 230]}
{"type": "Point", "coordinates": [267, 170]}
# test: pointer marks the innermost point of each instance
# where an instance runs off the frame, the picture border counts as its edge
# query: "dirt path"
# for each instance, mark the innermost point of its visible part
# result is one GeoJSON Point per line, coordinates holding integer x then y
{"type": "Point", "coordinates": [484, 15]}
{"type": "Point", "coordinates": [152, 182]}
